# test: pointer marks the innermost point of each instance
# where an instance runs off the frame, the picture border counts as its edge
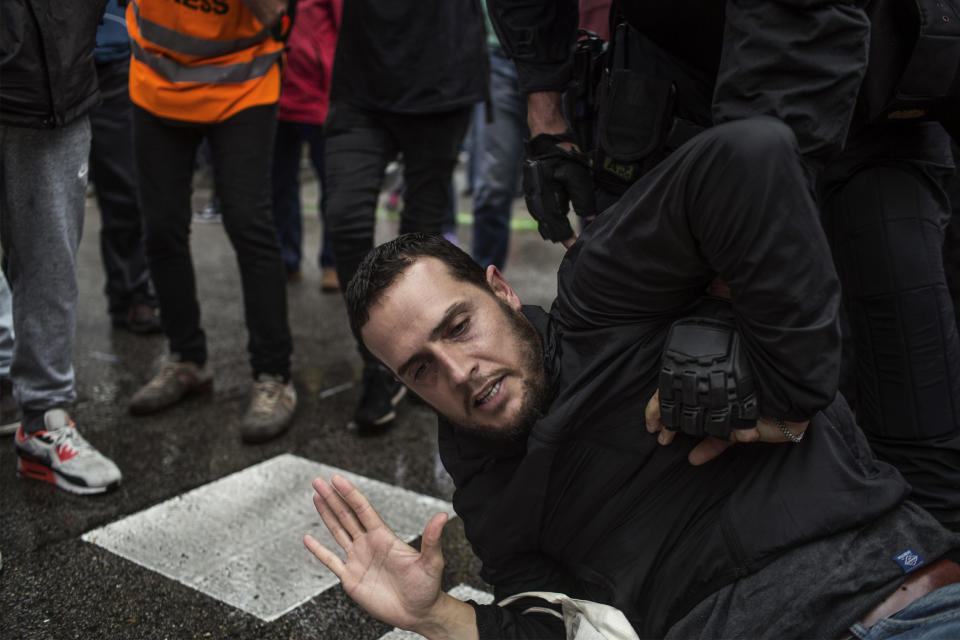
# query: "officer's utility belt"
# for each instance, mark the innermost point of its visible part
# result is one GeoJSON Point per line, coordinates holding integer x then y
{"type": "Point", "coordinates": [914, 70]}
{"type": "Point", "coordinates": [621, 111]}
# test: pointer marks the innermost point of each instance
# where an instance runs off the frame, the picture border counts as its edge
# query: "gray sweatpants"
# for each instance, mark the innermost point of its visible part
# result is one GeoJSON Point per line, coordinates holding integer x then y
{"type": "Point", "coordinates": [43, 182]}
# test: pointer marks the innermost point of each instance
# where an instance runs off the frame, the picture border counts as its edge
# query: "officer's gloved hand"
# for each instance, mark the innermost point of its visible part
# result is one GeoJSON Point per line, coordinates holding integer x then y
{"type": "Point", "coordinates": [707, 386]}
{"type": "Point", "coordinates": [553, 177]}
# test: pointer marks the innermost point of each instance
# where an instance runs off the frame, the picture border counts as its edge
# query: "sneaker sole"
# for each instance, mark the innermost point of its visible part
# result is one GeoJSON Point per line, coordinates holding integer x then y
{"type": "Point", "coordinates": [40, 471]}
{"type": "Point", "coordinates": [142, 411]}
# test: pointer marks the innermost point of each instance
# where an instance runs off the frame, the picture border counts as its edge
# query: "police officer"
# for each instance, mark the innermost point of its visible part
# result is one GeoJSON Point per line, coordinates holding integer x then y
{"type": "Point", "coordinates": [834, 72]}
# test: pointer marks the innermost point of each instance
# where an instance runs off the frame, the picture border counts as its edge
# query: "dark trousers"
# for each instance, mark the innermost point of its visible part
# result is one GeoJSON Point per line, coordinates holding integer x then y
{"type": "Point", "coordinates": [359, 146]}
{"type": "Point", "coordinates": [241, 147]}
{"type": "Point", "coordinates": [112, 171]}
{"type": "Point", "coordinates": [885, 210]}
{"type": "Point", "coordinates": [287, 216]}
{"type": "Point", "coordinates": [951, 243]}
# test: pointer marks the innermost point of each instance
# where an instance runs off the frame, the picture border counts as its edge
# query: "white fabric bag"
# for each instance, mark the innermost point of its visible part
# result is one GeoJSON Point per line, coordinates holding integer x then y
{"type": "Point", "coordinates": [583, 619]}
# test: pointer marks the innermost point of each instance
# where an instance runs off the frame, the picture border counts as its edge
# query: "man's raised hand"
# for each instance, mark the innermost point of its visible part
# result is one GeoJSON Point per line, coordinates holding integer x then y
{"type": "Point", "coordinates": [390, 579]}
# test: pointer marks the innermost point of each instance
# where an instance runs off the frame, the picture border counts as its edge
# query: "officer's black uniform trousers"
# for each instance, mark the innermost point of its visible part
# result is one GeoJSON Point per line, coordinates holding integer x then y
{"type": "Point", "coordinates": [885, 210]}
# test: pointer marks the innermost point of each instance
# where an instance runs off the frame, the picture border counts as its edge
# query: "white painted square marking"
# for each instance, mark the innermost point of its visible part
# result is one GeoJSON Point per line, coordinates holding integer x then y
{"type": "Point", "coordinates": [461, 592]}
{"type": "Point", "coordinates": [239, 539]}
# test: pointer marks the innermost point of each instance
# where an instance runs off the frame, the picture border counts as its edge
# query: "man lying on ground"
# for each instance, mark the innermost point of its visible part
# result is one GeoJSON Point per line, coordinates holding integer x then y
{"type": "Point", "coordinates": [548, 420]}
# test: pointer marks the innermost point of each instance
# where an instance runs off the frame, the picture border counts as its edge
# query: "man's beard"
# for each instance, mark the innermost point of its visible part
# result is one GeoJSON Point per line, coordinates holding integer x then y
{"type": "Point", "coordinates": [534, 390]}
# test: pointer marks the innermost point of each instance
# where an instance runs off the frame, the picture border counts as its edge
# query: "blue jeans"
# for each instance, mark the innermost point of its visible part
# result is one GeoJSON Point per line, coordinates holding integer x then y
{"type": "Point", "coordinates": [498, 156]}
{"type": "Point", "coordinates": [936, 616]}
{"type": "Point", "coordinates": [287, 216]}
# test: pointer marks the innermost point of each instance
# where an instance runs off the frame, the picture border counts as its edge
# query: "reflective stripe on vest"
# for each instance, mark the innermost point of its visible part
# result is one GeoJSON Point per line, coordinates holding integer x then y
{"type": "Point", "coordinates": [175, 72]}
{"type": "Point", "coordinates": [190, 45]}
{"type": "Point", "coordinates": [200, 65]}
{"type": "Point", "coordinates": [184, 44]}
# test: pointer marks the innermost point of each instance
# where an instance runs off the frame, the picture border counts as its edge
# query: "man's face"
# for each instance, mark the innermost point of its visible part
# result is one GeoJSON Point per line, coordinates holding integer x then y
{"type": "Point", "coordinates": [467, 351]}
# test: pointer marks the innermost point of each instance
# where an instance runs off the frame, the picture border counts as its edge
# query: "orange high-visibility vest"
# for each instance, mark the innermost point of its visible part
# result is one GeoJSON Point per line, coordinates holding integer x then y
{"type": "Point", "coordinates": [200, 60]}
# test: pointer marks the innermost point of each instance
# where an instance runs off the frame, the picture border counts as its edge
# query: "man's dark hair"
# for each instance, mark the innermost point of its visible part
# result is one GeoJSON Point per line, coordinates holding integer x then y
{"type": "Point", "coordinates": [380, 268]}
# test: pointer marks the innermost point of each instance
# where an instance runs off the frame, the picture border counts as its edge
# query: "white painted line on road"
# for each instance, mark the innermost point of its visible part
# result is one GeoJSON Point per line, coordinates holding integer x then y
{"type": "Point", "coordinates": [461, 592]}
{"type": "Point", "coordinates": [239, 539]}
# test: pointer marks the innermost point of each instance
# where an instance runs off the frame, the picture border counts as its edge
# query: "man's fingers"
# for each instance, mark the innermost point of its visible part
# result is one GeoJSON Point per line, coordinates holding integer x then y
{"type": "Point", "coordinates": [332, 522]}
{"type": "Point", "coordinates": [430, 542]}
{"type": "Point", "coordinates": [324, 555]}
{"type": "Point", "coordinates": [745, 435]}
{"type": "Point", "coordinates": [666, 436]}
{"type": "Point", "coordinates": [652, 413]}
{"type": "Point", "coordinates": [708, 449]}
{"type": "Point", "coordinates": [343, 513]}
{"type": "Point", "coordinates": [358, 503]}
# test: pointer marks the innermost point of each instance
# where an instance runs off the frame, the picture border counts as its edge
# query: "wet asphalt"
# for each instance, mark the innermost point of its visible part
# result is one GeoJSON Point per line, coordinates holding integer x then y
{"type": "Point", "coordinates": [55, 585]}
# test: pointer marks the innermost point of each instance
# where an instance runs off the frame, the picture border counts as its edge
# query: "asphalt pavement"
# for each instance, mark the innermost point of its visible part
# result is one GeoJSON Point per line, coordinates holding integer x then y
{"type": "Point", "coordinates": [202, 539]}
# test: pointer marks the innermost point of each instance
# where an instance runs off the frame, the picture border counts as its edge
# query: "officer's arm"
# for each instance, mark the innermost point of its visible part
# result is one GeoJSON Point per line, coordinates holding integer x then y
{"type": "Point", "coordinates": [801, 61]}
{"type": "Point", "coordinates": [539, 36]}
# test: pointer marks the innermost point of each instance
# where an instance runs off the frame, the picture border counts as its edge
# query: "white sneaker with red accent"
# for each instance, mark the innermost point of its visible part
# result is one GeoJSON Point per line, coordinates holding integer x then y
{"type": "Point", "coordinates": [58, 454]}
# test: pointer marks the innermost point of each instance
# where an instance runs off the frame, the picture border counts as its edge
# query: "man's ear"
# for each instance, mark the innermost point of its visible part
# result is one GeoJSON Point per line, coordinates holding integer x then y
{"type": "Point", "coordinates": [501, 288]}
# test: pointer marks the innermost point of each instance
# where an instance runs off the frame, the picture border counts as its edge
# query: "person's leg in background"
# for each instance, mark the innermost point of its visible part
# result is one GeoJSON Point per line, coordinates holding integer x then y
{"type": "Point", "coordinates": [43, 181]}
{"type": "Point", "coordinates": [358, 148]}
{"type": "Point", "coordinates": [164, 163]}
{"type": "Point", "coordinates": [242, 147]}
{"type": "Point", "coordinates": [886, 225]}
{"type": "Point", "coordinates": [210, 212]}
{"type": "Point", "coordinates": [9, 409]}
{"type": "Point", "coordinates": [287, 216]}
{"type": "Point", "coordinates": [431, 146]}
{"type": "Point", "coordinates": [498, 160]}
{"type": "Point", "coordinates": [314, 136]}
{"type": "Point", "coordinates": [450, 220]}
{"type": "Point", "coordinates": [164, 154]}
{"type": "Point", "coordinates": [132, 301]}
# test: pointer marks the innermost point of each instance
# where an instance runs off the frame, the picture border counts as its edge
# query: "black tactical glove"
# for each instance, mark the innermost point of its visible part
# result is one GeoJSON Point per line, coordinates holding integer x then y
{"type": "Point", "coordinates": [552, 178]}
{"type": "Point", "coordinates": [706, 382]}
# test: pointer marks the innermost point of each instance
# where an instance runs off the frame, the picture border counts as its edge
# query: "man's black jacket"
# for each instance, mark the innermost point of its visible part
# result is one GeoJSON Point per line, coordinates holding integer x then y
{"type": "Point", "coordinates": [47, 73]}
{"type": "Point", "coordinates": [590, 505]}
